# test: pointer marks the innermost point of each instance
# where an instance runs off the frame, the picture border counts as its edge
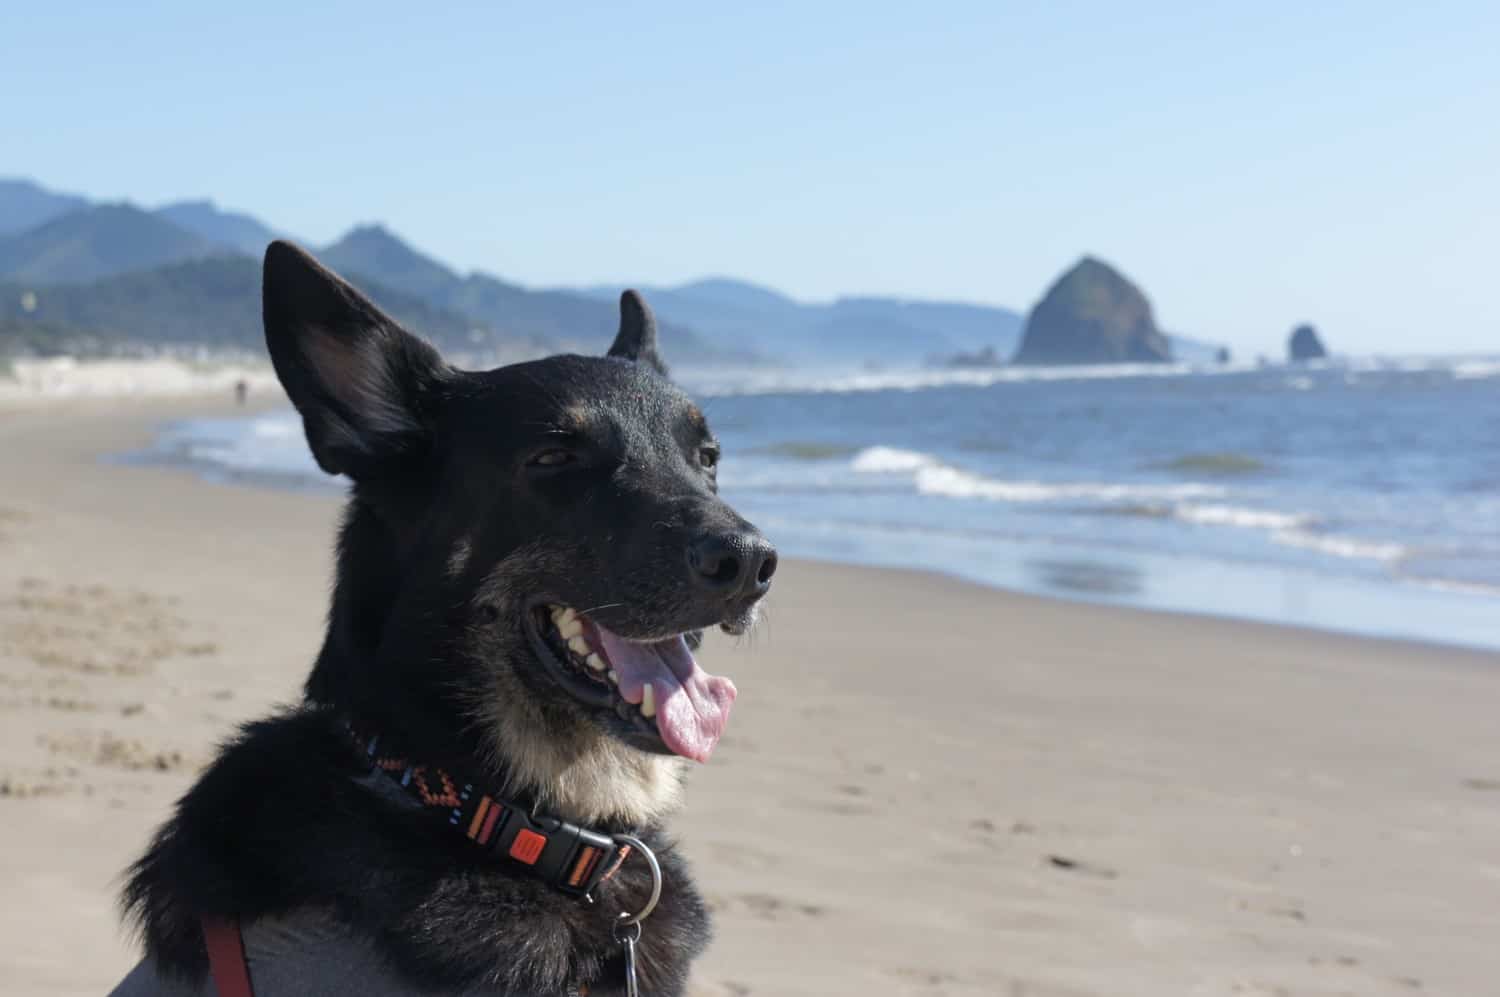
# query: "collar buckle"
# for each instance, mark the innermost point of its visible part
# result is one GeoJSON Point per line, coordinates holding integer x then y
{"type": "Point", "coordinates": [570, 858]}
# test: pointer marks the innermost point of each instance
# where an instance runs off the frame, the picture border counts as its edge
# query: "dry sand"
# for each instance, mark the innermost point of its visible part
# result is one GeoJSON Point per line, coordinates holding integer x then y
{"type": "Point", "coordinates": [928, 787]}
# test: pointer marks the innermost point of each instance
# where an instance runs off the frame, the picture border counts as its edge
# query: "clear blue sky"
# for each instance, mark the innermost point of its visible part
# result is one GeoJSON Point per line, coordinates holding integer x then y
{"type": "Point", "coordinates": [1250, 169]}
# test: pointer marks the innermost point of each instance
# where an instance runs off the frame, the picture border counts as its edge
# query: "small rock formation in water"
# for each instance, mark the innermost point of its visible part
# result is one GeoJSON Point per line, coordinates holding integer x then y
{"type": "Point", "coordinates": [1304, 344]}
{"type": "Point", "coordinates": [987, 357]}
{"type": "Point", "coordinates": [1092, 315]}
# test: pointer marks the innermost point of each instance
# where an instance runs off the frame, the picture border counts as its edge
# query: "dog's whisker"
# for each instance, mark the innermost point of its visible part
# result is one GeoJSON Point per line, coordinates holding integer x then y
{"type": "Point", "coordinates": [603, 605]}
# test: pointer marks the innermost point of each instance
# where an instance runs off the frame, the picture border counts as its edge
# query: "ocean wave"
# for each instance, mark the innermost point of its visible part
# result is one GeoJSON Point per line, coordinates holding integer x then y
{"type": "Point", "coordinates": [276, 427]}
{"type": "Point", "coordinates": [887, 460]}
{"type": "Point", "coordinates": [264, 444]}
{"type": "Point", "coordinates": [1290, 529]}
{"type": "Point", "coordinates": [725, 382]}
{"type": "Point", "coordinates": [1455, 587]}
{"type": "Point", "coordinates": [1476, 370]}
{"type": "Point", "coordinates": [1409, 364]}
{"type": "Point", "coordinates": [1349, 548]}
{"type": "Point", "coordinates": [1473, 570]}
{"type": "Point", "coordinates": [1244, 518]}
{"type": "Point", "coordinates": [954, 483]}
{"type": "Point", "coordinates": [779, 382]}
{"type": "Point", "coordinates": [932, 476]}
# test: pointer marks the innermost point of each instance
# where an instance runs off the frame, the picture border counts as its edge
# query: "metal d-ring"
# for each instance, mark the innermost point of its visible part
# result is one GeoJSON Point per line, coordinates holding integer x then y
{"type": "Point", "coordinates": [629, 920]}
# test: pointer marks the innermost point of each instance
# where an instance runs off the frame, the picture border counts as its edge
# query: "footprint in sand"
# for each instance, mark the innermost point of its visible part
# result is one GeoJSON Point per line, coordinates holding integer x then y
{"type": "Point", "coordinates": [931, 982]}
{"type": "Point", "coordinates": [8, 518]}
{"type": "Point", "coordinates": [764, 906]}
{"type": "Point", "coordinates": [846, 807]}
{"type": "Point", "coordinates": [724, 988]}
{"type": "Point", "coordinates": [47, 782]}
{"type": "Point", "coordinates": [742, 856]}
{"type": "Point", "coordinates": [37, 701]}
{"type": "Point", "coordinates": [94, 629]}
{"type": "Point", "coordinates": [1081, 867]}
{"type": "Point", "coordinates": [108, 750]}
{"type": "Point", "coordinates": [925, 977]}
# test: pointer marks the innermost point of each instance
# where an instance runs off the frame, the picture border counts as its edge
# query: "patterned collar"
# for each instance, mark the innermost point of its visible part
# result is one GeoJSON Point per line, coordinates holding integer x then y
{"type": "Point", "coordinates": [572, 859]}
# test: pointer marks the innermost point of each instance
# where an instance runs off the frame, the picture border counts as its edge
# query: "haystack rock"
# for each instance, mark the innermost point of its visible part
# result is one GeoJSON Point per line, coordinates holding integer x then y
{"type": "Point", "coordinates": [1092, 315]}
{"type": "Point", "coordinates": [1305, 345]}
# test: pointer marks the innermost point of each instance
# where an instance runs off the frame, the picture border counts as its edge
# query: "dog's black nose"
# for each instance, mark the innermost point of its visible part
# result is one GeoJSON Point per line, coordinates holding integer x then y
{"type": "Point", "coordinates": [736, 565]}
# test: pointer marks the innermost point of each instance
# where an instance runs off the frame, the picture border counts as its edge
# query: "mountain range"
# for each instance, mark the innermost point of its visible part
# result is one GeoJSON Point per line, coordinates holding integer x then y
{"type": "Point", "coordinates": [187, 272]}
{"type": "Point", "coordinates": [848, 330]}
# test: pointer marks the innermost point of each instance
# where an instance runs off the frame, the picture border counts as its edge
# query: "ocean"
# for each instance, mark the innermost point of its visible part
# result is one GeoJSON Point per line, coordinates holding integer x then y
{"type": "Point", "coordinates": [1359, 496]}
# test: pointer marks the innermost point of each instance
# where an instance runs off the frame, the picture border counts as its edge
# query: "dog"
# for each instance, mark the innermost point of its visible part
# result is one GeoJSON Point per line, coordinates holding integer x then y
{"type": "Point", "coordinates": [506, 690]}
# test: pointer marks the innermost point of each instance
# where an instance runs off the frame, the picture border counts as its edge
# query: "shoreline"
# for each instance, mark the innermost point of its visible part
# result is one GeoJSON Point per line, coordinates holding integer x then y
{"type": "Point", "coordinates": [992, 792]}
{"type": "Point", "coordinates": [1173, 582]}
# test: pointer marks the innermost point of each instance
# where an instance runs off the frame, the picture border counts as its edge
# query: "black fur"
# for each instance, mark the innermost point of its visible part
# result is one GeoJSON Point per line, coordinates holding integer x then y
{"type": "Point", "coordinates": [461, 515]}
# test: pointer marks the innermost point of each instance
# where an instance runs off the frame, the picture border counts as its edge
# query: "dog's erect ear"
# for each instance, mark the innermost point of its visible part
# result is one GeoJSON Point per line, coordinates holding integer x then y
{"type": "Point", "coordinates": [366, 389]}
{"type": "Point", "coordinates": [636, 339]}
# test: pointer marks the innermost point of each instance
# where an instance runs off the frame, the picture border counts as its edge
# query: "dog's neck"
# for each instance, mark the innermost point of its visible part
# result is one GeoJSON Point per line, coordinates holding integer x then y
{"type": "Point", "coordinates": [599, 782]}
{"type": "Point", "coordinates": [604, 784]}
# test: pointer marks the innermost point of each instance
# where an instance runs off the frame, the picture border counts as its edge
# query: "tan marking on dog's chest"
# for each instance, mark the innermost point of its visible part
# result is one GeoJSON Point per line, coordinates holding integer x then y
{"type": "Point", "coordinates": [605, 781]}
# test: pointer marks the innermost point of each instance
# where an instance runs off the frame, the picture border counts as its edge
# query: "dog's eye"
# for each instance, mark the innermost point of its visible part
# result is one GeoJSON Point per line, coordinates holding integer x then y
{"type": "Point", "coordinates": [709, 457]}
{"type": "Point", "coordinates": [553, 458]}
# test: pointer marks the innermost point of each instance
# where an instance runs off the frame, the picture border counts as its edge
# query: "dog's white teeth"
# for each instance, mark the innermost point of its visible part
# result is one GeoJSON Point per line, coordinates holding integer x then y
{"type": "Point", "coordinates": [648, 701]}
{"type": "Point", "coordinates": [595, 662]}
{"type": "Point", "coordinates": [570, 629]}
{"type": "Point", "coordinates": [614, 676]}
{"type": "Point", "coordinates": [579, 646]}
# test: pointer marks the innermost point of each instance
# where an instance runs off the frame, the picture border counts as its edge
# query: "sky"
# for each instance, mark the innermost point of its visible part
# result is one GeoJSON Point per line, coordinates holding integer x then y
{"type": "Point", "coordinates": [1251, 167]}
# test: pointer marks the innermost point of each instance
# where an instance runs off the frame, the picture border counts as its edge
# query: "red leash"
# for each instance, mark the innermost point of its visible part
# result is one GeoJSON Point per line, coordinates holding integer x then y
{"type": "Point", "coordinates": [226, 957]}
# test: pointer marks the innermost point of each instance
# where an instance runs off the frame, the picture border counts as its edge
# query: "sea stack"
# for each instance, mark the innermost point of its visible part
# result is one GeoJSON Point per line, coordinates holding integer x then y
{"type": "Point", "coordinates": [1304, 344]}
{"type": "Point", "coordinates": [1092, 315]}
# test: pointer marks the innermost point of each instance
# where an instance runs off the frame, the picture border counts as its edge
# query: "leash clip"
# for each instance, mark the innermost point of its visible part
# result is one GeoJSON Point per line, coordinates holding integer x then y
{"type": "Point", "coordinates": [628, 920]}
{"type": "Point", "coordinates": [627, 929]}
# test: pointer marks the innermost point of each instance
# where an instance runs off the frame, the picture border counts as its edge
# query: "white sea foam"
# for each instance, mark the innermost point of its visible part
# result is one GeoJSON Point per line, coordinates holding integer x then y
{"type": "Point", "coordinates": [276, 427]}
{"type": "Point", "coordinates": [1350, 548]}
{"type": "Point", "coordinates": [1454, 587]}
{"type": "Point", "coordinates": [719, 382]}
{"type": "Point", "coordinates": [932, 476]}
{"type": "Point", "coordinates": [723, 383]}
{"type": "Point", "coordinates": [1476, 370]}
{"type": "Point", "coordinates": [886, 460]}
{"type": "Point", "coordinates": [271, 443]}
{"type": "Point", "coordinates": [1229, 515]}
{"type": "Point", "coordinates": [954, 483]}
{"type": "Point", "coordinates": [1290, 530]}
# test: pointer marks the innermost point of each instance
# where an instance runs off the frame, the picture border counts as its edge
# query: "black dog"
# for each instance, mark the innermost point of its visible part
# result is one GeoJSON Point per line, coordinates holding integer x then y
{"type": "Point", "coordinates": [527, 556]}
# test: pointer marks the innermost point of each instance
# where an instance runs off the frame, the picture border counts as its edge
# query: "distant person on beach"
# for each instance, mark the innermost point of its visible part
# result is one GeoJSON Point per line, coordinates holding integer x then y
{"type": "Point", "coordinates": [241, 391]}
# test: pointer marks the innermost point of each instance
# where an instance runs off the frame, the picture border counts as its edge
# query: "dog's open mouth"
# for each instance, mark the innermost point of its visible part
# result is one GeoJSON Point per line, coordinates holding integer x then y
{"type": "Point", "coordinates": [657, 686]}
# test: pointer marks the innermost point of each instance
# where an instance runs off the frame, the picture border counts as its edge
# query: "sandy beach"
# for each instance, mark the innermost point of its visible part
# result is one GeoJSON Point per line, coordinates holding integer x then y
{"type": "Point", "coordinates": [928, 787]}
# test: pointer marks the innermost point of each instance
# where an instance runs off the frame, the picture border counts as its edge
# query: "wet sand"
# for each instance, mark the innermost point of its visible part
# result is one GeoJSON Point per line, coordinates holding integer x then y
{"type": "Point", "coordinates": [927, 788]}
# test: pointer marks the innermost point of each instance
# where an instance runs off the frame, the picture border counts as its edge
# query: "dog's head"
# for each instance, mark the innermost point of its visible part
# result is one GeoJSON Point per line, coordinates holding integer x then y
{"type": "Point", "coordinates": [530, 553]}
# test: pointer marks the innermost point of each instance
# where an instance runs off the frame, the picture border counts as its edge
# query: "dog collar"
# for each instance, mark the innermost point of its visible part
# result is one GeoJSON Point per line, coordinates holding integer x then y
{"type": "Point", "coordinates": [568, 857]}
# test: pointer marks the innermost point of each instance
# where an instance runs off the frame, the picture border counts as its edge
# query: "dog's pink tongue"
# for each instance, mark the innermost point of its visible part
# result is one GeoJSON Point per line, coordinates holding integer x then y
{"type": "Point", "coordinates": [692, 706]}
